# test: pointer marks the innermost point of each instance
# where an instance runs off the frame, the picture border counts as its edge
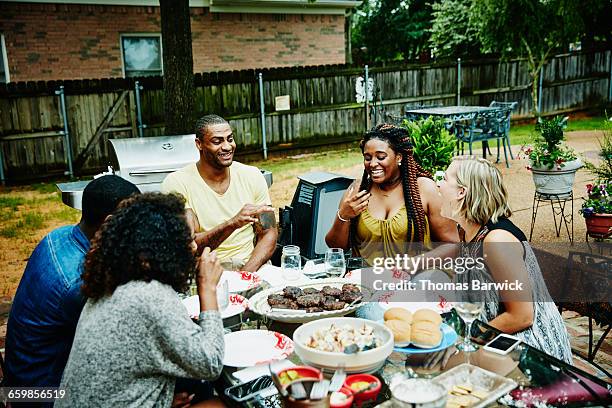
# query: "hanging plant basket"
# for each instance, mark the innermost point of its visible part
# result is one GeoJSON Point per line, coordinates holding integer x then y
{"type": "Point", "coordinates": [555, 181]}
{"type": "Point", "coordinates": [599, 225]}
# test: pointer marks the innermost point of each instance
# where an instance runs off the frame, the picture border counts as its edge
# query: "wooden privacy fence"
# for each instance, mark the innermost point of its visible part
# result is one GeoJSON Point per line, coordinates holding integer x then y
{"type": "Point", "coordinates": [323, 108]}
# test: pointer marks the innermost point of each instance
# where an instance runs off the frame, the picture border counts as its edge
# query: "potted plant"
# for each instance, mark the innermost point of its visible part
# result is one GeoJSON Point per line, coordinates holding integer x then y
{"type": "Point", "coordinates": [552, 163]}
{"type": "Point", "coordinates": [597, 208]}
{"type": "Point", "coordinates": [433, 144]}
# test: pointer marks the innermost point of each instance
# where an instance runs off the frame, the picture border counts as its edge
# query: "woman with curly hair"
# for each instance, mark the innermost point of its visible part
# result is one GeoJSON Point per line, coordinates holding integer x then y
{"type": "Point", "coordinates": [134, 337]}
{"type": "Point", "coordinates": [395, 203]}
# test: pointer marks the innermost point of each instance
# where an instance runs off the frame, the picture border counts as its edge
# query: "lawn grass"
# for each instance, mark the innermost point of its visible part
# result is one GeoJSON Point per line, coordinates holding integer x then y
{"type": "Point", "coordinates": [11, 202]}
{"type": "Point", "coordinates": [289, 167]}
{"type": "Point", "coordinates": [524, 133]}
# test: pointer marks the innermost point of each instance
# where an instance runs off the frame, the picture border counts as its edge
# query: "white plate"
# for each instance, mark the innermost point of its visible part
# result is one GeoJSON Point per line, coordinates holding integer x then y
{"type": "Point", "coordinates": [237, 305]}
{"type": "Point", "coordinates": [242, 281]}
{"type": "Point", "coordinates": [248, 348]}
{"type": "Point", "coordinates": [354, 276]}
{"type": "Point", "coordinates": [360, 362]}
{"type": "Point", "coordinates": [259, 302]}
{"type": "Point", "coordinates": [449, 338]}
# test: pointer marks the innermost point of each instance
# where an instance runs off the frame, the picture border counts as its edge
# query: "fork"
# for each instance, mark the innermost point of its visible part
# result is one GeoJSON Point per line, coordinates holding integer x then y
{"type": "Point", "coordinates": [319, 390]}
{"type": "Point", "coordinates": [298, 392]}
{"type": "Point", "coordinates": [338, 379]}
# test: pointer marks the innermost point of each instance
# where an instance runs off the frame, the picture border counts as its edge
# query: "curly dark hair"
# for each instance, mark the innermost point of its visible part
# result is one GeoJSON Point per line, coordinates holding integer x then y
{"type": "Point", "coordinates": [147, 238]}
{"type": "Point", "coordinates": [399, 141]}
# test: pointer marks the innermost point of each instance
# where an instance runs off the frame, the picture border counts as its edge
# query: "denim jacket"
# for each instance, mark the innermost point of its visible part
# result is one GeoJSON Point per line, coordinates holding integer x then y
{"type": "Point", "coordinates": [45, 310]}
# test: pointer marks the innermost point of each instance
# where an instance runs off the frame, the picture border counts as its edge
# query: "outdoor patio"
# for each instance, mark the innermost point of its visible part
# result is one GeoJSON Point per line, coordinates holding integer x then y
{"type": "Point", "coordinates": [517, 179]}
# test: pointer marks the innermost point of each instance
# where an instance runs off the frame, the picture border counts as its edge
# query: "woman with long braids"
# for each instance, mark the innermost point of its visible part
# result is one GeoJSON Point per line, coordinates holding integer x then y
{"type": "Point", "coordinates": [395, 203]}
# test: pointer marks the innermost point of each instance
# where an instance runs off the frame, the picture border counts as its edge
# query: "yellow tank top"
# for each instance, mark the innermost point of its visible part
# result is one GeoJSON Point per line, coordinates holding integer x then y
{"type": "Point", "coordinates": [385, 238]}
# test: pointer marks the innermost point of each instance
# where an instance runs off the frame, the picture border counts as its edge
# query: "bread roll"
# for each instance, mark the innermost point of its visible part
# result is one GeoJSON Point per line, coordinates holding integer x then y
{"type": "Point", "coordinates": [427, 315]}
{"type": "Point", "coordinates": [426, 333]}
{"type": "Point", "coordinates": [397, 313]}
{"type": "Point", "coordinates": [400, 329]}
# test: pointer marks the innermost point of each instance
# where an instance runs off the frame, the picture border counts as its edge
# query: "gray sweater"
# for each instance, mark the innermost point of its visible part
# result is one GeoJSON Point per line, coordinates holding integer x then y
{"type": "Point", "coordinates": [131, 346]}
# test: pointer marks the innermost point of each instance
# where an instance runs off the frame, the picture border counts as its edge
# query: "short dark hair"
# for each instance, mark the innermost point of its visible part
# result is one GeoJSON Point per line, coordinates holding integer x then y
{"type": "Point", "coordinates": [146, 239]}
{"type": "Point", "coordinates": [102, 195]}
{"type": "Point", "coordinates": [204, 122]}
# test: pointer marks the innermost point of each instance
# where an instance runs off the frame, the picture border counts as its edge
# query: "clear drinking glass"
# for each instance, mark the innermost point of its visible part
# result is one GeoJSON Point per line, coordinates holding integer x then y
{"type": "Point", "coordinates": [291, 262]}
{"type": "Point", "coordinates": [469, 311]}
{"type": "Point", "coordinates": [335, 264]}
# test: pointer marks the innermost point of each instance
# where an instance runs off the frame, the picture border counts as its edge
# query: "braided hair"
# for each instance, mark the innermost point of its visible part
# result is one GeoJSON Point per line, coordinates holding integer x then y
{"type": "Point", "coordinates": [399, 141]}
{"type": "Point", "coordinates": [202, 124]}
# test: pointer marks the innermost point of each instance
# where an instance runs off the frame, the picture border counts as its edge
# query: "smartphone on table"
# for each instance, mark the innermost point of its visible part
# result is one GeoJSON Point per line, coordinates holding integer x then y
{"type": "Point", "coordinates": [502, 344]}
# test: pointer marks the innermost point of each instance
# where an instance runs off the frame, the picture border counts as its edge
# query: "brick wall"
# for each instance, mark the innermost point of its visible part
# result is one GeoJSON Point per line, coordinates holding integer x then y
{"type": "Point", "coordinates": [53, 41]}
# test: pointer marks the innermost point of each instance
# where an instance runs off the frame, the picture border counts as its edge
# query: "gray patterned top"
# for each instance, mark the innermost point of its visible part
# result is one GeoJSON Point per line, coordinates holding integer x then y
{"type": "Point", "coordinates": [131, 346]}
{"type": "Point", "coordinates": [548, 332]}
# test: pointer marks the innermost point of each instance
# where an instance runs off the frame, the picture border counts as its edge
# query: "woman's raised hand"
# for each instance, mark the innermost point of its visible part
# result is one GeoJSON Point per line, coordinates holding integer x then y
{"type": "Point", "coordinates": [353, 204]}
{"type": "Point", "coordinates": [209, 271]}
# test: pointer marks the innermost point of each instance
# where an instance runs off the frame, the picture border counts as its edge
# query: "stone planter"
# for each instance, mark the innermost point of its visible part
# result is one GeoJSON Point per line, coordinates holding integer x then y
{"type": "Point", "coordinates": [599, 225]}
{"type": "Point", "coordinates": [553, 181]}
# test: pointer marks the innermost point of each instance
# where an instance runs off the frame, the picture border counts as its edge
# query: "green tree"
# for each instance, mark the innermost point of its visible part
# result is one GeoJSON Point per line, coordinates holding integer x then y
{"type": "Point", "coordinates": [392, 29]}
{"type": "Point", "coordinates": [597, 22]}
{"type": "Point", "coordinates": [533, 29]}
{"type": "Point", "coordinates": [452, 34]}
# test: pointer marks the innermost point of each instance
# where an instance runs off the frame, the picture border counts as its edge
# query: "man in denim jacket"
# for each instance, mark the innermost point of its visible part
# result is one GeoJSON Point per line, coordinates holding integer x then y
{"type": "Point", "coordinates": [48, 302]}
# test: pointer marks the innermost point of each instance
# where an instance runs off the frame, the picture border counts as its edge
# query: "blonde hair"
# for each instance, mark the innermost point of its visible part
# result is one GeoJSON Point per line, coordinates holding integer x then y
{"type": "Point", "coordinates": [486, 197]}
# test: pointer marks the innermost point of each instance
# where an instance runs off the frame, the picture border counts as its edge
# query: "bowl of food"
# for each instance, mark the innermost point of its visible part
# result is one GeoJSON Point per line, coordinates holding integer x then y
{"type": "Point", "coordinates": [299, 373]}
{"type": "Point", "coordinates": [343, 398]}
{"type": "Point", "coordinates": [365, 387]}
{"type": "Point", "coordinates": [418, 393]}
{"type": "Point", "coordinates": [360, 345]}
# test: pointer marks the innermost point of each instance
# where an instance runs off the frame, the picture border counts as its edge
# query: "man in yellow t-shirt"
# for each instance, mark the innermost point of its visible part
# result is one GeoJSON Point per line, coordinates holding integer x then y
{"type": "Point", "coordinates": [224, 198]}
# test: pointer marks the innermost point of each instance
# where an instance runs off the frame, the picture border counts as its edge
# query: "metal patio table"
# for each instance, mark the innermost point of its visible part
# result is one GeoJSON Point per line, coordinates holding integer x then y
{"type": "Point", "coordinates": [450, 113]}
{"type": "Point", "coordinates": [534, 371]}
{"type": "Point", "coordinates": [453, 115]}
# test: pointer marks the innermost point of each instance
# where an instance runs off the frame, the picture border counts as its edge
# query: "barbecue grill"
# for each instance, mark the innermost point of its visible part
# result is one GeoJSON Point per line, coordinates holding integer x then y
{"type": "Point", "coordinates": [144, 161]}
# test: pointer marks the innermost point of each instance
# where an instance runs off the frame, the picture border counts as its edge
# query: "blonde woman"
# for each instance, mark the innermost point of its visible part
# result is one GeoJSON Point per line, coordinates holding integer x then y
{"type": "Point", "coordinates": [474, 196]}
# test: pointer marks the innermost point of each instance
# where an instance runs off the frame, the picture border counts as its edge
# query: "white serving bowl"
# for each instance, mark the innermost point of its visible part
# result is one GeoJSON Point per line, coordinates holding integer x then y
{"type": "Point", "coordinates": [360, 362]}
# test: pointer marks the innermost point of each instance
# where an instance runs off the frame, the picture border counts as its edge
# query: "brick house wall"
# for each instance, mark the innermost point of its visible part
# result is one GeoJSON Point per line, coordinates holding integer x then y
{"type": "Point", "coordinates": [72, 41]}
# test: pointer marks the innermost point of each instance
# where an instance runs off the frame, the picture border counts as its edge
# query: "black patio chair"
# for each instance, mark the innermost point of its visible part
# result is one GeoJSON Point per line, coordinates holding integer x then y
{"type": "Point", "coordinates": [394, 118]}
{"type": "Point", "coordinates": [488, 125]}
{"type": "Point", "coordinates": [506, 108]}
{"type": "Point", "coordinates": [592, 274]}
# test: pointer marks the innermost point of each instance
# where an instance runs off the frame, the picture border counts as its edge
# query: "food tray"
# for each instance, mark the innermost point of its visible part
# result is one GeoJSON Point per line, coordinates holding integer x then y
{"type": "Point", "coordinates": [258, 303]}
{"type": "Point", "coordinates": [495, 385]}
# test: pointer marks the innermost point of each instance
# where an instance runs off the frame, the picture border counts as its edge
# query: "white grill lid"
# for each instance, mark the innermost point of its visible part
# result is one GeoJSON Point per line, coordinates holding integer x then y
{"type": "Point", "coordinates": [149, 160]}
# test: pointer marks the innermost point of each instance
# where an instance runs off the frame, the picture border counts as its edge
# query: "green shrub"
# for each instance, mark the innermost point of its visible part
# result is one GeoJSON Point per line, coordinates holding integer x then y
{"type": "Point", "coordinates": [433, 144]}
{"type": "Point", "coordinates": [603, 170]}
